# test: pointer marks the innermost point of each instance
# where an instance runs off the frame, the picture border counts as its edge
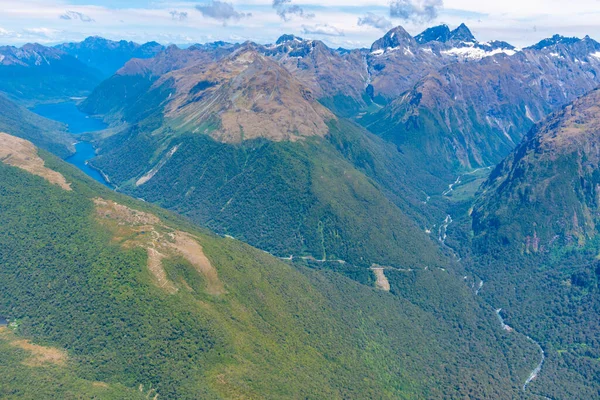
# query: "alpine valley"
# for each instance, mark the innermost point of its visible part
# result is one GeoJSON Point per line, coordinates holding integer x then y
{"type": "Point", "coordinates": [414, 220]}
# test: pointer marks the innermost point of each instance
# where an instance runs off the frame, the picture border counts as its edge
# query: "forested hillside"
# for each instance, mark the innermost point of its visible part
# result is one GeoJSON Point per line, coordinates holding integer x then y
{"type": "Point", "coordinates": [131, 295]}
{"type": "Point", "coordinates": [536, 246]}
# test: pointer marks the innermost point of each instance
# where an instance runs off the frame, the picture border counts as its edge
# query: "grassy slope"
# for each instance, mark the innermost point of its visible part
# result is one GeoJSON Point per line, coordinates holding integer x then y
{"type": "Point", "coordinates": [279, 332]}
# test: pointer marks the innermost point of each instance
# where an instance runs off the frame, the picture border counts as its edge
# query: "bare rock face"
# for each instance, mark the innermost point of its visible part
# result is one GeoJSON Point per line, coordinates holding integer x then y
{"type": "Point", "coordinates": [397, 61]}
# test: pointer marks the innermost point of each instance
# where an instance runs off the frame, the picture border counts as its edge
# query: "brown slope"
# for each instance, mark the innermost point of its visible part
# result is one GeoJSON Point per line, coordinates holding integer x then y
{"type": "Point", "coordinates": [246, 96]}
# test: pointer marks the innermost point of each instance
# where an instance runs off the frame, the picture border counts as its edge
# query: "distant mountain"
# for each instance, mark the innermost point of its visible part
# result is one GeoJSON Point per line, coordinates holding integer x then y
{"type": "Point", "coordinates": [211, 317]}
{"type": "Point", "coordinates": [440, 33]}
{"type": "Point", "coordinates": [554, 40]}
{"type": "Point", "coordinates": [443, 34]}
{"type": "Point", "coordinates": [268, 151]}
{"type": "Point", "coordinates": [108, 56]}
{"type": "Point", "coordinates": [35, 73]}
{"type": "Point", "coordinates": [337, 78]}
{"type": "Point", "coordinates": [471, 114]}
{"type": "Point", "coordinates": [397, 61]}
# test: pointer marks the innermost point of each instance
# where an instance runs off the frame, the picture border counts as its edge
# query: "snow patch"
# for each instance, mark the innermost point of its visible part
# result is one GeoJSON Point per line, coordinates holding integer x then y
{"type": "Point", "coordinates": [476, 53]}
{"type": "Point", "coordinates": [528, 114]}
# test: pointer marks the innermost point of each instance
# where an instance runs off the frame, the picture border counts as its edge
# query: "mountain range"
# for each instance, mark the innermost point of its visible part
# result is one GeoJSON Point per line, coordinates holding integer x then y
{"type": "Point", "coordinates": [413, 220]}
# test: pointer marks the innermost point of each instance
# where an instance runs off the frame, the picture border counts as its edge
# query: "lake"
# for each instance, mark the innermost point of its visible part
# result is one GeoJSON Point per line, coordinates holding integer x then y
{"type": "Point", "coordinates": [69, 114]}
{"type": "Point", "coordinates": [3, 321]}
{"type": "Point", "coordinates": [77, 123]}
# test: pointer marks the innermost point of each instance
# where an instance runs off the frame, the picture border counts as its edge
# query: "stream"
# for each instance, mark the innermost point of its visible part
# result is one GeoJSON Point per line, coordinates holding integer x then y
{"type": "Point", "coordinates": [536, 371]}
{"type": "Point", "coordinates": [442, 235]}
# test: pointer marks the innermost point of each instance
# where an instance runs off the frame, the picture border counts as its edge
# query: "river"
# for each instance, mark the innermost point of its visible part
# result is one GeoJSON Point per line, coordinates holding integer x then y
{"type": "Point", "coordinates": [77, 123]}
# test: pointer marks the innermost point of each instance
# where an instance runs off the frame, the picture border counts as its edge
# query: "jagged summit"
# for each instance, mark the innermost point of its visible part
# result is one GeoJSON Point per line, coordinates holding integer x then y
{"type": "Point", "coordinates": [394, 38]}
{"type": "Point", "coordinates": [463, 34]}
{"type": "Point", "coordinates": [288, 38]}
{"type": "Point", "coordinates": [440, 33]}
{"type": "Point", "coordinates": [443, 34]}
{"type": "Point", "coordinates": [554, 40]}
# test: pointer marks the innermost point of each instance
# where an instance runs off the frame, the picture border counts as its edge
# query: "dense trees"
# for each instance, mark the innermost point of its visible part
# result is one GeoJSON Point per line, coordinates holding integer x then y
{"type": "Point", "coordinates": [279, 331]}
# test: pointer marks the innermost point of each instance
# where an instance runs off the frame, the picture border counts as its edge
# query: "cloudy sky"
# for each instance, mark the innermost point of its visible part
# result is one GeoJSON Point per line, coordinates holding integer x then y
{"type": "Point", "coordinates": [346, 23]}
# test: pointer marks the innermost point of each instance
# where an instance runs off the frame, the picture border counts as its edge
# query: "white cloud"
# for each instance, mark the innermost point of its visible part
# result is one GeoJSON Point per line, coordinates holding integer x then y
{"type": "Point", "coordinates": [74, 15]}
{"type": "Point", "coordinates": [322, 29]}
{"type": "Point", "coordinates": [507, 20]}
{"type": "Point", "coordinates": [375, 21]}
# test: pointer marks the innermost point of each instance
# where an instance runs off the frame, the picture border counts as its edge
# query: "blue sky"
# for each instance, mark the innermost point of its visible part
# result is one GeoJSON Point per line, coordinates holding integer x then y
{"type": "Point", "coordinates": [521, 22]}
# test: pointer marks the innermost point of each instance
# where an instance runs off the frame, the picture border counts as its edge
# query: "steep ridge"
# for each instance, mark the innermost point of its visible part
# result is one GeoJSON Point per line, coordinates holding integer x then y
{"type": "Point", "coordinates": [551, 175]}
{"type": "Point", "coordinates": [79, 277]}
{"type": "Point", "coordinates": [108, 56]}
{"type": "Point", "coordinates": [243, 137]}
{"type": "Point", "coordinates": [397, 61]}
{"type": "Point", "coordinates": [249, 95]}
{"type": "Point", "coordinates": [536, 245]}
{"type": "Point", "coordinates": [336, 78]}
{"type": "Point", "coordinates": [34, 73]}
{"type": "Point", "coordinates": [120, 96]}
{"type": "Point", "coordinates": [470, 115]}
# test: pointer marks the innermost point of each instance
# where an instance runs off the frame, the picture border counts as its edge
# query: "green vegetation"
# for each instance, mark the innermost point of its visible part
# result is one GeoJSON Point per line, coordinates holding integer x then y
{"type": "Point", "coordinates": [278, 332]}
{"type": "Point", "coordinates": [300, 198]}
{"type": "Point", "coordinates": [20, 378]}
{"type": "Point", "coordinates": [444, 141]}
{"type": "Point", "coordinates": [18, 121]}
{"type": "Point", "coordinates": [532, 237]}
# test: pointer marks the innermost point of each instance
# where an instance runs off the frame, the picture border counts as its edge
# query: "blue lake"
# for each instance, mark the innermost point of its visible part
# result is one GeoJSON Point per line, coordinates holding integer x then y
{"type": "Point", "coordinates": [77, 123]}
{"type": "Point", "coordinates": [69, 114]}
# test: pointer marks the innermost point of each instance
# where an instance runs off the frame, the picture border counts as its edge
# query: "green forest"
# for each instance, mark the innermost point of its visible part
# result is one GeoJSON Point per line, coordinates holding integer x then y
{"type": "Point", "coordinates": [279, 330]}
